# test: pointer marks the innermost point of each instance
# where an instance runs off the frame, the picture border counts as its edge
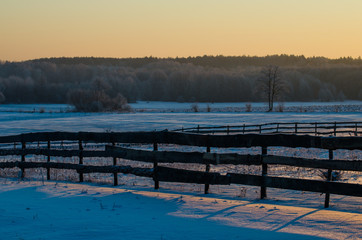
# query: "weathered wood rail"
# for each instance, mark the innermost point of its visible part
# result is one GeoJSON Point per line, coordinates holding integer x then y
{"type": "Point", "coordinates": [47, 144]}
{"type": "Point", "coordinates": [314, 128]}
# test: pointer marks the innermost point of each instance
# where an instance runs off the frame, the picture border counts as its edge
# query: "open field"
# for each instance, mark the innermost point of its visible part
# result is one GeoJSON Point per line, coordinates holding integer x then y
{"type": "Point", "coordinates": [16, 119]}
{"type": "Point", "coordinates": [133, 210]}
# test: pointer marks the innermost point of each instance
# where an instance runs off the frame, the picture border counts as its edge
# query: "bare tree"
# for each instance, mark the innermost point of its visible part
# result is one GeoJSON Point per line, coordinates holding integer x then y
{"type": "Point", "coordinates": [271, 85]}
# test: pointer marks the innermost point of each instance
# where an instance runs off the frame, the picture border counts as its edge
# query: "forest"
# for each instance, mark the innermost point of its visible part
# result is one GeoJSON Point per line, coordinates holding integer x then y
{"type": "Point", "coordinates": [193, 79]}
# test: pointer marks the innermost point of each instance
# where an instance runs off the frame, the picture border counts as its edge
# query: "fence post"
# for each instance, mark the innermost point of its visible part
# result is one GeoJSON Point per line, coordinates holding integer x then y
{"type": "Point", "coordinates": [207, 186]}
{"type": "Point", "coordinates": [80, 159]}
{"type": "Point", "coordinates": [264, 172]}
{"type": "Point", "coordinates": [244, 128]}
{"type": "Point", "coordinates": [335, 129]}
{"type": "Point", "coordinates": [329, 178]}
{"type": "Point", "coordinates": [356, 133]}
{"type": "Point", "coordinates": [227, 130]}
{"type": "Point", "coordinates": [155, 164]}
{"type": "Point", "coordinates": [23, 147]}
{"type": "Point", "coordinates": [48, 160]}
{"type": "Point", "coordinates": [115, 174]}
{"type": "Point", "coordinates": [260, 129]}
{"type": "Point", "coordinates": [277, 127]}
{"type": "Point", "coordinates": [315, 129]}
{"type": "Point", "coordinates": [296, 128]}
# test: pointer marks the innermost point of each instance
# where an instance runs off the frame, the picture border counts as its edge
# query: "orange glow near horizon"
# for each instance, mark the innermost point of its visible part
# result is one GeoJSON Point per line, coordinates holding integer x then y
{"type": "Point", "coordinates": [167, 28]}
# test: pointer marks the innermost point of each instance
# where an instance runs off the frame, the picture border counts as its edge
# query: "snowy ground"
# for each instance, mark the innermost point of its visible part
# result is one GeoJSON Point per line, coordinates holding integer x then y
{"type": "Point", "coordinates": [16, 119]}
{"type": "Point", "coordinates": [331, 107]}
{"type": "Point", "coordinates": [155, 106]}
{"type": "Point", "coordinates": [133, 210]}
{"type": "Point", "coordinates": [57, 210]}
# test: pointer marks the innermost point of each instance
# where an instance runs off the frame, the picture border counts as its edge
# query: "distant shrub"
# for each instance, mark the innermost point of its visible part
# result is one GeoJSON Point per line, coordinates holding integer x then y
{"type": "Point", "coordinates": [208, 108]}
{"type": "Point", "coordinates": [97, 101]}
{"type": "Point", "coordinates": [302, 109]}
{"type": "Point", "coordinates": [195, 107]}
{"type": "Point", "coordinates": [248, 107]}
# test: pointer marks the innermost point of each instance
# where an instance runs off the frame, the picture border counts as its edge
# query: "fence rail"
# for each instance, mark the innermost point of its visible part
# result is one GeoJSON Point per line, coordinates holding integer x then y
{"type": "Point", "coordinates": [312, 128]}
{"type": "Point", "coordinates": [48, 143]}
{"type": "Point", "coordinates": [189, 139]}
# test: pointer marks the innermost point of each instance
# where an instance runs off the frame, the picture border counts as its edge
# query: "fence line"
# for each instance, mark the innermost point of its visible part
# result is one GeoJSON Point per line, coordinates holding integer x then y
{"type": "Point", "coordinates": [44, 144]}
{"type": "Point", "coordinates": [314, 128]}
{"type": "Point", "coordinates": [193, 157]}
{"type": "Point", "coordinates": [189, 139]}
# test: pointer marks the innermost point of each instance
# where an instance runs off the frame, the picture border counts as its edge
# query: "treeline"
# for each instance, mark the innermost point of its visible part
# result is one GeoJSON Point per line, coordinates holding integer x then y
{"type": "Point", "coordinates": [199, 79]}
{"type": "Point", "coordinates": [212, 61]}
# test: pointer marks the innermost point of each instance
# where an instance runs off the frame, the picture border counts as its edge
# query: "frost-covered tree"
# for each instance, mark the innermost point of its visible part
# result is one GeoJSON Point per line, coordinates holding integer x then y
{"type": "Point", "coordinates": [271, 85]}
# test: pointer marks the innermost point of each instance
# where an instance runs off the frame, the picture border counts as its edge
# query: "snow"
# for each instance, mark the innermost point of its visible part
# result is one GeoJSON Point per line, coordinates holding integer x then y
{"type": "Point", "coordinates": [171, 106]}
{"type": "Point", "coordinates": [187, 105]}
{"type": "Point", "coordinates": [28, 118]}
{"type": "Point", "coordinates": [35, 209]}
{"type": "Point", "coordinates": [331, 107]}
{"type": "Point", "coordinates": [58, 210]}
{"type": "Point", "coordinates": [35, 107]}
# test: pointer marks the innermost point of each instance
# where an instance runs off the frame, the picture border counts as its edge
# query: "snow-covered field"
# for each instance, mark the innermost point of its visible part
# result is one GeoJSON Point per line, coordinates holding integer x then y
{"type": "Point", "coordinates": [34, 209]}
{"type": "Point", "coordinates": [57, 210]}
{"type": "Point", "coordinates": [331, 107]}
{"type": "Point", "coordinates": [16, 119]}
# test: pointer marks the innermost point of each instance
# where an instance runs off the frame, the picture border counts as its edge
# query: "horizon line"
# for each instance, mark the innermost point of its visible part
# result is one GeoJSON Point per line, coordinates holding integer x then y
{"type": "Point", "coordinates": [195, 56]}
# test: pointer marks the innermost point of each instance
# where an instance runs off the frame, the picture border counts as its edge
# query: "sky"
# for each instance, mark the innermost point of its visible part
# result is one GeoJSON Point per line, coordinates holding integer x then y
{"type": "Point", "coordinates": [169, 28]}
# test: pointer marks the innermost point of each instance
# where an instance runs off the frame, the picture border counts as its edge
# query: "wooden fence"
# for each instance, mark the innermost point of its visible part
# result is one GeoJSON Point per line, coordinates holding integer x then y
{"type": "Point", "coordinates": [311, 128]}
{"type": "Point", "coordinates": [47, 144]}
